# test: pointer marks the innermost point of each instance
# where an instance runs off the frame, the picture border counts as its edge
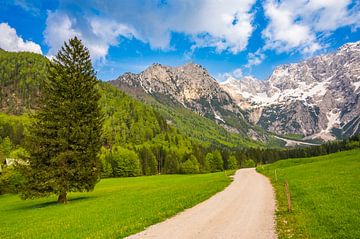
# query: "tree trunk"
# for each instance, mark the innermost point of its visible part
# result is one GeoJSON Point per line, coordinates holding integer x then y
{"type": "Point", "coordinates": [62, 198]}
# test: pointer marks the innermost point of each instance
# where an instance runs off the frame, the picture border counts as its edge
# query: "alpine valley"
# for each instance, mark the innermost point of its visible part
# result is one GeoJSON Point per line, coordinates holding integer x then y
{"type": "Point", "coordinates": [314, 100]}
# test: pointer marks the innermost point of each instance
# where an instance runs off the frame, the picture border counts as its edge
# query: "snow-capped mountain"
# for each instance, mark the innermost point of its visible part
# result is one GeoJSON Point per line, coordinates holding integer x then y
{"type": "Point", "coordinates": [317, 98]}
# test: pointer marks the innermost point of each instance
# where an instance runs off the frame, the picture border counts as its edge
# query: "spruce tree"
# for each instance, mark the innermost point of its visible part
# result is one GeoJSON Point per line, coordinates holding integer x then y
{"type": "Point", "coordinates": [65, 138]}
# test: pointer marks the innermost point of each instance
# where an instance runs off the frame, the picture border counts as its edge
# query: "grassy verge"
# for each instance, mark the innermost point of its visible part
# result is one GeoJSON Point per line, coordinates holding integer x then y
{"type": "Point", "coordinates": [325, 195]}
{"type": "Point", "coordinates": [116, 208]}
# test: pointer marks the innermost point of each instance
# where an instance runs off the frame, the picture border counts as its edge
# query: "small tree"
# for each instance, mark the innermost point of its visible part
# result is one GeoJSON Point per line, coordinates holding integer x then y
{"type": "Point", "coordinates": [191, 165]}
{"type": "Point", "coordinates": [106, 163]}
{"type": "Point", "coordinates": [126, 163]}
{"type": "Point", "coordinates": [148, 161]}
{"type": "Point", "coordinates": [232, 162]}
{"type": "Point", "coordinates": [65, 137]}
{"type": "Point", "coordinates": [215, 160]}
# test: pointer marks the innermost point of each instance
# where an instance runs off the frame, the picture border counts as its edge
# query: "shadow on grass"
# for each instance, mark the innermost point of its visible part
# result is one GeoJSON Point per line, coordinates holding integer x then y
{"type": "Point", "coordinates": [54, 203]}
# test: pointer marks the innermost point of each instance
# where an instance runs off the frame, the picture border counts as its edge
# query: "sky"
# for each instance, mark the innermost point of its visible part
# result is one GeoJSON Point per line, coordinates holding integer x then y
{"type": "Point", "coordinates": [228, 37]}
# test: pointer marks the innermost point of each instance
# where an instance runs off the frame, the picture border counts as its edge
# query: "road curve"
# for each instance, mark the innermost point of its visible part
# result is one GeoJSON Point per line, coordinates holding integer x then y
{"type": "Point", "coordinates": [245, 209]}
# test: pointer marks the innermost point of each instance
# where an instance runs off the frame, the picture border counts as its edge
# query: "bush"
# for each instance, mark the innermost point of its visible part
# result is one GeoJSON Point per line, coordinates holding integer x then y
{"type": "Point", "coordinates": [10, 180]}
{"type": "Point", "coordinates": [190, 166]}
{"type": "Point", "coordinates": [248, 163]}
{"type": "Point", "coordinates": [215, 161]}
{"type": "Point", "coordinates": [232, 162]}
{"type": "Point", "coordinates": [106, 163]}
{"type": "Point", "coordinates": [125, 163]}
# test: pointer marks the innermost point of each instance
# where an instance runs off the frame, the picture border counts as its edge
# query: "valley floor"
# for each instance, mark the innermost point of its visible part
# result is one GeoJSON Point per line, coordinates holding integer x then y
{"type": "Point", "coordinates": [244, 210]}
{"type": "Point", "coordinates": [116, 208]}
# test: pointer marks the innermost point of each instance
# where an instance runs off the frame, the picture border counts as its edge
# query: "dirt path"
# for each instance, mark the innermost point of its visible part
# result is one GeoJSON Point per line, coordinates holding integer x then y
{"type": "Point", "coordinates": [245, 209]}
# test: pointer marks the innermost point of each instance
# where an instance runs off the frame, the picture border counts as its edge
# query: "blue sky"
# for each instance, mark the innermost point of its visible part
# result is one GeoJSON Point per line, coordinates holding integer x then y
{"type": "Point", "coordinates": [228, 37]}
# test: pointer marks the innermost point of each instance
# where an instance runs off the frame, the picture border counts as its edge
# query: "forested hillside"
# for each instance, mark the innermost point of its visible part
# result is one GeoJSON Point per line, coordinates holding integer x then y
{"type": "Point", "coordinates": [20, 80]}
{"type": "Point", "coordinates": [138, 139]}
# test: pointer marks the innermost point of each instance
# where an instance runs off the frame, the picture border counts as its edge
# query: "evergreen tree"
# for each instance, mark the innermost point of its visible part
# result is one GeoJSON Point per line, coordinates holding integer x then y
{"type": "Point", "coordinates": [232, 163]}
{"type": "Point", "coordinates": [191, 165]}
{"type": "Point", "coordinates": [66, 134]}
{"type": "Point", "coordinates": [148, 161]}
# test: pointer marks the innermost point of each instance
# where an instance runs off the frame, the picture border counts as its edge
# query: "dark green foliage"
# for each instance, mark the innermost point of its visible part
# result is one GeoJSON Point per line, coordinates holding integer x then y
{"type": "Point", "coordinates": [106, 163]}
{"type": "Point", "coordinates": [10, 180]}
{"type": "Point", "coordinates": [248, 163]}
{"type": "Point", "coordinates": [149, 163]}
{"type": "Point", "coordinates": [66, 134]}
{"type": "Point", "coordinates": [215, 161]}
{"type": "Point", "coordinates": [232, 162]}
{"type": "Point", "coordinates": [14, 127]}
{"type": "Point", "coordinates": [5, 147]}
{"type": "Point", "coordinates": [21, 77]}
{"type": "Point", "coordinates": [190, 166]}
{"type": "Point", "coordinates": [125, 163]}
{"type": "Point", "coordinates": [172, 162]}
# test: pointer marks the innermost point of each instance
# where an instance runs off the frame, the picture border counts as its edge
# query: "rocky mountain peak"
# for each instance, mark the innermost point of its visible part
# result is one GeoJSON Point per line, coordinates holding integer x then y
{"type": "Point", "coordinates": [188, 86]}
{"type": "Point", "coordinates": [316, 98]}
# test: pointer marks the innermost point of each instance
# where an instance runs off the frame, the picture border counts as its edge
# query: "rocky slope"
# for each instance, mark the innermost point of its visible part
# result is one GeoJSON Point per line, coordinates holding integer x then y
{"type": "Point", "coordinates": [317, 98]}
{"type": "Point", "coordinates": [188, 86]}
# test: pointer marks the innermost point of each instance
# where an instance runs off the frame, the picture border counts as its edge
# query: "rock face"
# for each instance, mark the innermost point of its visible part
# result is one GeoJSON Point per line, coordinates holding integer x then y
{"type": "Point", "coordinates": [188, 86]}
{"type": "Point", "coordinates": [317, 98]}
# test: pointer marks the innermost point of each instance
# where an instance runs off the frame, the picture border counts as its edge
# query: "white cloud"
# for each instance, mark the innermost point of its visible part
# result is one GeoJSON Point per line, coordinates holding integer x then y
{"type": "Point", "coordinates": [236, 73]}
{"type": "Point", "coordinates": [295, 25]}
{"type": "Point", "coordinates": [28, 6]}
{"type": "Point", "coordinates": [255, 58]}
{"type": "Point", "coordinates": [225, 25]}
{"type": "Point", "coordinates": [10, 41]}
{"type": "Point", "coordinates": [98, 34]}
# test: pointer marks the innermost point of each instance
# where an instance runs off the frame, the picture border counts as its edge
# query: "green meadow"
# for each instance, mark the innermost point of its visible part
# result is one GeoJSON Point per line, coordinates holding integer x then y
{"type": "Point", "coordinates": [116, 208]}
{"type": "Point", "coordinates": [325, 195]}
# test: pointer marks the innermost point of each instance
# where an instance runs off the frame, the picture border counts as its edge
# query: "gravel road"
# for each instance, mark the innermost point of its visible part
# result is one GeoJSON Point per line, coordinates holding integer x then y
{"type": "Point", "coordinates": [245, 209]}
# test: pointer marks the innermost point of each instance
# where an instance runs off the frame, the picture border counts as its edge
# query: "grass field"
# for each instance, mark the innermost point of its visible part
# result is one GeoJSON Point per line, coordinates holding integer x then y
{"type": "Point", "coordinates": [325, 193]}
{"type": "Point", "coordinates": [116, 208]}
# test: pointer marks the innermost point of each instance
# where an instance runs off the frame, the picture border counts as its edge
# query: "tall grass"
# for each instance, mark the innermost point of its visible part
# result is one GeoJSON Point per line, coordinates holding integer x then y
{"type": "Point", "coordinates": [325, 196]}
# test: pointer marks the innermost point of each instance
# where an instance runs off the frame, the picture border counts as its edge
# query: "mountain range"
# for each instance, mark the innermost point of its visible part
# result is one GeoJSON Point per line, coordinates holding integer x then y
{"type": "Point", "coordinates": [316, 99]}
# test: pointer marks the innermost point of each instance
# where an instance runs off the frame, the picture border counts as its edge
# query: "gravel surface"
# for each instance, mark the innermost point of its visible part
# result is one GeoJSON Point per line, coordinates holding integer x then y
{"type": "Point", "coordinates": [245, 209]}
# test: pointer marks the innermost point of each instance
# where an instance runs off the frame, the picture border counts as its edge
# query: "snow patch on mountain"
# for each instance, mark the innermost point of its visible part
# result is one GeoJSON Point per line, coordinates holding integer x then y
{"type": "Point", "coordinates": [302, 98]}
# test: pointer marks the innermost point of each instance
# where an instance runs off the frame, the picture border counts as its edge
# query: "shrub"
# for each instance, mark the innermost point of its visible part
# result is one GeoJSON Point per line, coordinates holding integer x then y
{"type": "Point", "coordinates": [232, 162]}
{"type": "Point", "coordinates": [215, 160]}
{"type": "Point", "coordinates": [248, 163]}
{"type": "Point", "coordinates": [190, 166]}
{"type": "Point", "coordinates": [10, 180]}
{"type": "Point", "coordinates": [106, 163]}
{"type": "Point", "coordinates": [125, 163]}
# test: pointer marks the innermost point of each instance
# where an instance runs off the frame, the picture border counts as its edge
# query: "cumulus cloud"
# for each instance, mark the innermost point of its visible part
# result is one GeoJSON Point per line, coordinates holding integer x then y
{"type": "Point", "coordinates": [97, 33]}
{"type": "Point", "coordinates": [225, 25]}
{"type": "Point", "coordinates": [255, 58]}
{"type": "Point", "coordinates": [10, 41]}
{"type": "Point", "coordinates": [296, 25]}
{"type": "Point", "coordinates": [236, 73]}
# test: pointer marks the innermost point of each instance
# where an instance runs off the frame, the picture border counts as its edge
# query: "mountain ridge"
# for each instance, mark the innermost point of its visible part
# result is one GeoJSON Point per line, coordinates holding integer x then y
{"type": "Point", "coordinates": [189, 86]}
{"type": "Point", "coordinates": [317, 98]}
